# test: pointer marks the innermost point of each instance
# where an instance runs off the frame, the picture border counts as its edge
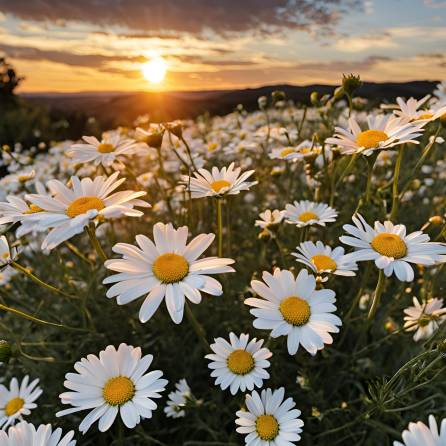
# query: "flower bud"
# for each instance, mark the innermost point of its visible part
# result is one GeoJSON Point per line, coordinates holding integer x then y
{"type": "Point", "coordinates": [262, 101]}
{"type": "Point", "coordinates": [155, 139]}
{"type": "Point", "coordinates": [314, 98]}
{"type": "Point", "coordinates": [5, 351]}
{"type": "Point", "coordinates": [175, 128]}
{"type": "Point", "coordinates": [436, 220]}
{"type": "Point", "coordinates": [338, 93]}
{"type": "Point", "coordinates": [278, 96]}
{"type": "Point", "coordinates": [350, 83]}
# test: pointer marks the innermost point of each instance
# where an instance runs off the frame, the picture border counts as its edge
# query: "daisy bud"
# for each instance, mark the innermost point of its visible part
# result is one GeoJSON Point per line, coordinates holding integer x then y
{"type": "Point", "coordinates": [155, 139]}
{"type": "Point", "coordinates": [262, 101]}
{"type": "Point", "coordinates": [338, 93]}
{"type": "Point", "coordinates": [6, 148]}
{"type": "Point", "coordinates": [5, 351]}
{"type": "Point", "coordinates": [436, 220]}
{"type": "Point", "coordinates": [176, 129]}
{"type": "Point", "coordinates": [350, 83]}
{"type": "Point", "coordinates": [314, 98]}
{"type": "Point", "coordinates": [278, 96]}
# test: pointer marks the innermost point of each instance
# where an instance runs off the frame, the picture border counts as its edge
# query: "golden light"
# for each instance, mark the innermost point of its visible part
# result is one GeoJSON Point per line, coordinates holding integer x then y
{"type": "Point", "coordinates": [154, 70]}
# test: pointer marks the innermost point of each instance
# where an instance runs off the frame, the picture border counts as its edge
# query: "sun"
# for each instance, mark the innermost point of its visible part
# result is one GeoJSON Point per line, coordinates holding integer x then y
{"type": "Point", "coordinates": [154, 70]}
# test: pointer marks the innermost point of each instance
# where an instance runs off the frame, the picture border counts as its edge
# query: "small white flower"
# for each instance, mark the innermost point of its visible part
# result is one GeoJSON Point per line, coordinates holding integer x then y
{"type": "Point", "coordinates": [269, 420]}
{"type": "Point", "coordinates": [306, 213]}
{"type": "Point", "coordinates": [239, 364]}
{"type": "Point", "coordinates": [306, 149]}
{"type": "Point", "coordinates": [26, 434]}
{"type": "Point", "coordinates": [18, 400]}
{"type": "Point", "coordinates": [178, 399]}
{"type": "Point", "coordinates": [424, 318]}
{"type": "Point", "coordinates": [418, 434]}
{"type": "Point", "coordinates": [270, 219]}
{"type": "Point", "coordinates": [7, 255]}
{"type": "Point", "coordinates": [116, 381]}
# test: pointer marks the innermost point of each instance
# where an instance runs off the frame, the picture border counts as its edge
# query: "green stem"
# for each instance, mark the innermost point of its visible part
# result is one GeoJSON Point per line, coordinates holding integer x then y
{"type": "Point", "coordinates": [189, 153]}
{"type": "Point", "coordinates": [377, 294]}
{"type": "Point", "coordinates": [220, 227]}
{"type": "Point", "coordinates": [91, 231]}
{"type": "Point", "coordinates": [76, 252]}
{"type": "Point", "coordinates": [396, 176]}
{"type": "Point", "coordinates": [347, 169]}
{"type": "Point", "coordinates": [198, 328]}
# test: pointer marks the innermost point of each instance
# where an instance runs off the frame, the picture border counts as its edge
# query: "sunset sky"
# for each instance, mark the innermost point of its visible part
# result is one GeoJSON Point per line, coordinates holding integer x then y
{"type": "Point", "coordinates": [102, 45]}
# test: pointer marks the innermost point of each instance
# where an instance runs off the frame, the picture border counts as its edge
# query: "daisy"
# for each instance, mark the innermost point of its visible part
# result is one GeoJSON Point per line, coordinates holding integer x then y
{"type": "Point", "coordinates": [322, 259]}
{"type": "Point", "coordinates": [418, 434]}
{"type": "Point", "coordinates": [269, 420]}
{"type": "Point", "coordinates": [167, 269]}
{"type": "Point", "coordinates": [306, 149]}
{"type": "Point", "coordinates": [217, 183]}
{"type": "Point", "coordinates": [111, 148]}
{"type": "Point", "coordinates": [391, 249]}
{"type": "Point", "coordinates": [383, 132]}
{"type": "Point", "coordinates": [424, 318]}
{"type": "Point", "coordinates": [440, 90]}
{"type": "Point", "coordinates": [270, 219]}
{"type": "Point", "coordinates": [410, 110]}
{"type": "Point", "coordinates": [7, 255]}
{"type": "Point", "coordinates": [116, 381]}
{"type": "Point", "coordinates": [305, 213]}
{"type": "Point", "coordinates": [293, 307]}
{"type": "Point", "coordinates": [26, 434]}
{"type": "Point", "coordinates": [239, 364]}
{"type": "Point", "coordinates": [18, 400]}
{"type": "Point", "coordinates": [178, 399]}
{"type": "Point", "coordinates": [70, 210]}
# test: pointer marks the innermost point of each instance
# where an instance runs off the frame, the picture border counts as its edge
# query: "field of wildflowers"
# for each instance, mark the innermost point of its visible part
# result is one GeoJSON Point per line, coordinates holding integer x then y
{"type": "Point", "coordinates": [268, 278]}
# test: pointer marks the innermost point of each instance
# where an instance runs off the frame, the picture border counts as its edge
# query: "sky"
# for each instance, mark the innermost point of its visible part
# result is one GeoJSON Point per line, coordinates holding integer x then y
{"type": "Point", "coordinates": [103, 45]}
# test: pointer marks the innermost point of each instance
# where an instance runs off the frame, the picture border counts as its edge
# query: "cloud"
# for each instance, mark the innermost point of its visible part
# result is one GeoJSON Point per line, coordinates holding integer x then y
{"type": "Point", "coordinates": [191, 16]}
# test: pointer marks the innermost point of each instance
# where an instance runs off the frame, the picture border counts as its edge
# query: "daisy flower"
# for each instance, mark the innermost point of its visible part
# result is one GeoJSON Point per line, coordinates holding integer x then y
{"type": "Point", "coordinates": [270, 219]}
{"type": "Point", "coordinates": [70, 210]}
{"type": "Point", "coordinates": [26, 434]}
{"type": "Point", "coordinates": [239, 364]}
{"type": "Point", "coordinates": [440, 90]}
{"type": "Point", "coordinates": [305, 213]}
{"type": "Point", "coordinates": [7, 255]}
{"type": "Point", "coordinates": [383, 132]}
{"type": "Point", "coordinates": [418, 434]}
{"type": "Point", "coordinates": [391, 249]}
{"type": "Point", "coordinates": [322, 259]}
{"type": "Point", "coordinates": [111, 148]}
{"type": "Point", "coordinates": [269, 420]}
{"type": "Point", "coordinates": [306, 149]}
{"type": "Point", "coordinates": [424, 318]}
{"type": "Point", "coordinates": [218, 182]}
{"type": "Point", "coordinates": [18, 400]}
{"type": "Point", "coordinates": [178, 399]}
{"type": "Point", "coordinates": [410, 110]}
{"type": "Point", "coordinates": [293, 307]}
{"type": "Point", "coordinates": [167, 269]}
{"type": "Point", "coordinates": [116, 381]}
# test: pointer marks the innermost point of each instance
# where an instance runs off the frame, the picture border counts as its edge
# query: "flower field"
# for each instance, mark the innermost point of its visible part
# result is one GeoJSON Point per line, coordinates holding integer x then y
{"type": "Point", "coordinates": [266, 278]}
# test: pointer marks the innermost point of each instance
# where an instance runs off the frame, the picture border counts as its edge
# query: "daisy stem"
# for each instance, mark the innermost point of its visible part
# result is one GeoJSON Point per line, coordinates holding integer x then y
{"type": "Point", "coordinates": [396, 176]}
{"type": "Point", "coordinates": [40, 282]}
{"type": "Point", "coordinates": [198, 328]}
{"type": "Point", "coordinates": [377, 294]}
{"type": "Point", "coordinates": [189, 153]}
{"type": "Point", "coordinates": [76, 252]}
{"type": "Point", "coordinates": [220, 227]}
{"type": "Point", "coordinates": [347, 169]}
{"type": "Point", "coordinates": [95, 242]}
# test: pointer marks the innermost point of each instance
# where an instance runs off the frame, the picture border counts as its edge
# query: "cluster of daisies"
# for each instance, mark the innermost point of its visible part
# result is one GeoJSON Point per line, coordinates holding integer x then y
{"type": "Point", "coordinates": [299, 307]}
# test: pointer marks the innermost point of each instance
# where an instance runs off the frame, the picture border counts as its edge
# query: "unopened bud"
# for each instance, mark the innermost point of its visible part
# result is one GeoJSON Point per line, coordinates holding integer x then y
{"type": "Point", "coordinates": [5, 351]}
{"type": "Point", "coordinates": [436, 220]}
{"type": "Point", "coordinates": [350, 83]}
{"type": "Point", "coordinates": [278, 95]}
{"type": "Point", "coordinates": [338, 93]}
{"type": "Point", "coordinates": [262, 101]}
{"type": "Point", "coordinates": [314, 98]}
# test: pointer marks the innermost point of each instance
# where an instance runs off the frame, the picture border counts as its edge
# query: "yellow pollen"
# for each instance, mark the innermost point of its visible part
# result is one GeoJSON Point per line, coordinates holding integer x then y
{"type": "Point", "coordinates": [426, 116]}
{"type": "Point", "coordinates": [170, 268]}
{"type": "Point", "coordinates": [33, 208]}
{"type": "Point", "coordinates": [323, 263]}
{"type": "Point", "coordinates": [212, 146]}
{"type": "Point", "coordinates": [240, 362]}
{"type": "Point", "coordinates": [14, 406]}
{"type": "Point", "coordinates": [267, 427]}
{"type": "Point", "coordinates": [117, 391]}
{"type": "Point", "coordinates": [106, 148]}
{"type": "Point", "coordinates": [287, 151]}
{"type": "Point", "coordinates": [307, 216]}
{"type": "Point", "coordinates": [218, 185]}
{"type": "Point", "coordinates": [389, 245]}
{"type": "Point", "coordinates": [371, 138]}
{"type": "Point", "coordinates": [24, 178]}
{"type": "Point", "coordinates": [295, 310]}
{"type": "Point", "coordinates": [83, 204]}
{"type": "Point", "coordinates": [5, 255]}
{"type": "Point", "coordinates": [306, 150]}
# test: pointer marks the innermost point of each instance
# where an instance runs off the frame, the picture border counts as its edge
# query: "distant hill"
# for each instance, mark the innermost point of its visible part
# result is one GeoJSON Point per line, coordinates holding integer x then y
{"type": "Point", "coordinates": [112, 109]}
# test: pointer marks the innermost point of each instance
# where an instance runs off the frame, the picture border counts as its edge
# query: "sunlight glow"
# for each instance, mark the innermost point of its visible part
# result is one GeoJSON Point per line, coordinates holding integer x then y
{"type": "Point", "coordinates": [154, 70]}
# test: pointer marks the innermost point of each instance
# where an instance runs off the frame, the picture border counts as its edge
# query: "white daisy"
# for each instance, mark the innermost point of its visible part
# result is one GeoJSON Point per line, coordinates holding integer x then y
{"type": "Point", "coordinates": [410, 110]}
{"type": "Point", "coordinates": [178, 399]}
{"type": "Point", "coordinates": [116, 381]}
{"type": "Point", "coordinates": [305, 213]}
{"type": "Point", "coordinates": [18, 400]}
{"type": "Point", "coordinates": [240, 364]}
{"type": "Point", "coordinates": [383, 132]}
{"type": "Point", "coordinates": [293, 307]}
{"type": "Point", "coordinates": [7, 255]}
{"type": "Point", "coordinates": [111, 148]}
{"type": "Point", "coordinates": [270, 219]}
{"type": "Point", "coordinates": [391, 249]}
{"type": "Point", "coordinates": [26, 434]}
{"type": "Point", "coordinates": [322, 259]}
{"type": "Point", "coordinates": [70, 210]}
{"type": "Point", "coordinates": [424, 318]}
{"type": "Point", "coordinates": [168, 268]}
{"type": "Point", "coordinates": [418, 434]}
{"type": "Point", "coordinates": [269, 420]}
{"type": "Point", "coordinates": [440, 90]}
{"type": "Point", "coordinates": [218, 182]}
{"type": "Point", "coordinates": [306, 149]}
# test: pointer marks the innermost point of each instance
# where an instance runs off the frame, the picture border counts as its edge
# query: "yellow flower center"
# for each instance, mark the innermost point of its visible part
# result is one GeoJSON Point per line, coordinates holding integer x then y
{"type": "Point", "coordinates": [117, 391]}
{"type": "Point", "coordinates": [389, 245]}
{"type": "Point", "coordinates": [307, 216]}
{"type": "Point", "coordinates": [323, 263]}
{"type": "Point", "coordinates": [218, 185]}
{"type": "Point", "coordinates": [106, 148]}
{"type": "Point", "coordinates": [267, 427]}
{"type": "Point", "coordinates": [170, 268]}
{"type": "Point", "coordinates": [212, 147]}
{"type": "Point", "coordinates": [33, 208]}
{"type": "Point", "coordinates": [5, 255]}
{"type": "Point", "coordinates": [240, 362]}
{"type": "Point", "coordinates": [371, 138]}
{"type": "Point", "coordinates": [83, 204]}
{"type": "Point", "coordinates": [287, 151]}
{"type": "Point", "coordinates": [14, 406]}
{"type": "Point", "coordinates": [295, 310]}
{"type": "Point", "coordinates": [426, 116]}
{"type": "Point", "coordinates": [24, 178]}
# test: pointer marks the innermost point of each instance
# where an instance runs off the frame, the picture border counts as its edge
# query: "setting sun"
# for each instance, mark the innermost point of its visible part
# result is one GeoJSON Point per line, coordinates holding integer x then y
{"type": "Point", "coordinates": [155, 70]}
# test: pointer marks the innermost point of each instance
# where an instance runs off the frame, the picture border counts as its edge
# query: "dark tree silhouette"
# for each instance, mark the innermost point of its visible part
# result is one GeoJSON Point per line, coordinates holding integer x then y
{"type": "Point", "coordinates": [8, 79]}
